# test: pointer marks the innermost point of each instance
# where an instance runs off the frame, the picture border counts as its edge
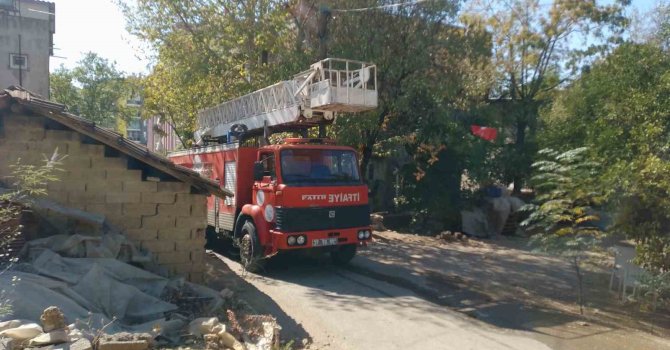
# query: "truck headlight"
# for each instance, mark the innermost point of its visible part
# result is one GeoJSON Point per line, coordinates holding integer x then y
{"type": "Point", "coordinates": [301, 240]}
{"type": "Point", "coordinates": [361, 234]}
{"type": "Point", "coordinates": [290, 240]}
{"type": "Point", "coordinates": [367, 234]}
{"type": "Point", "coordinates": [269, 213]}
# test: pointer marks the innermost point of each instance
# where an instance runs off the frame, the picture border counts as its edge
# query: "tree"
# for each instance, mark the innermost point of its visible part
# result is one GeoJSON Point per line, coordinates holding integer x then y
{"type": "Point", "coordinates": [620, 110]}
{"type": "Point", "coordinates": [432, 73]}
{"type": "Point", "coordinates": [654, 26]}
{"type": "Point", "coordinates": [563, 220]}
{"type": "Point", "coordinates": [63, 90]}
{"type": "Point", "coordinates": [95, 89]}
{"type": "Point", "coordinates": [531, 42]}
{"type": "Point", "coordinates": [210, 51]}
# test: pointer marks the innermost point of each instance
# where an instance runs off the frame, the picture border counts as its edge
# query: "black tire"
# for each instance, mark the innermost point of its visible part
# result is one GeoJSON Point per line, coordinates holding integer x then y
{"type": "Point", "coordinates": [343, 254]}
{"type": "Point", "coordinates": [251, 253]}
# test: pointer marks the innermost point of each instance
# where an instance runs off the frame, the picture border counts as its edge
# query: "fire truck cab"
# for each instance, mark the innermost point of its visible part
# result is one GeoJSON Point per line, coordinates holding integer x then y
{"type": "Point", "coordinates": [299, 193]}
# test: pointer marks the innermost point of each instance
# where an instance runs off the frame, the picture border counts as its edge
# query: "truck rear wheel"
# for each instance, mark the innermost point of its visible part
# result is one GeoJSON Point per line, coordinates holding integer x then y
{"type": "Point", "coordinates": [343, 254]}
{"type": "Point", "coordinates": [251, 253]}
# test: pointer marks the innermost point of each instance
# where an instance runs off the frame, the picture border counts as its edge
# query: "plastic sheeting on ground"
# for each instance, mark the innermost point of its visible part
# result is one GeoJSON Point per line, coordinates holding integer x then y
{"type": "Point", "coordinates": [94, 290]}
{"type": "Point", "coordinates": [490, 219]}
{"type": "Point", "coordinates": [111, 245]}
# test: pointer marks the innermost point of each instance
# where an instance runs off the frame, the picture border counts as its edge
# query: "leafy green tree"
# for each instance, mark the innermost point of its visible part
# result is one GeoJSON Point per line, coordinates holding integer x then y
{"type": "Point", "coordinates": [620, 110]}
{"type": "Point", "coordinates": [63, 90]}
{"type": "Point", "coordinates": [562, 220]}
{"type": "Point", "coordinates": [432, 74]}
{"type": "Point", "coordinates": [95, 89]}
{"type": "Point", "coordinates": [211, 51]}
{"type": "Point", "coordinates": [653, 27]}
{"type": "Point", "coordinates": [532, 40]}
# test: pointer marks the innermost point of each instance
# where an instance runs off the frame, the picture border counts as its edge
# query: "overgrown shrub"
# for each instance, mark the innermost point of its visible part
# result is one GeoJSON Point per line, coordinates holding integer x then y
{"type": "Point", "coordinates": [562, 219]}
{"type": "Point", "coordinates": [26, 182]}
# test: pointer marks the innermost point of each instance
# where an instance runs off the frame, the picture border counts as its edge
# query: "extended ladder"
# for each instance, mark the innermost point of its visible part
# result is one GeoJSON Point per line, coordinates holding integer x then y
{"type": "Point", "coordinates": [316, 95]}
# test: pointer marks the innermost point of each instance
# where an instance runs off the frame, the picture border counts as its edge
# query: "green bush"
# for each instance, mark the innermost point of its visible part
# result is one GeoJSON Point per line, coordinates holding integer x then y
{"type": "Point", "coordinates": [562, 220]}
{"type": "Point", "coordinates": [25, 183]}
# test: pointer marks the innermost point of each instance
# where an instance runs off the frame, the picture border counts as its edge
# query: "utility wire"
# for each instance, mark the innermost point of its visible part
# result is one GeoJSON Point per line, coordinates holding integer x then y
{"type": "Point", "coordinates": [363, 9]}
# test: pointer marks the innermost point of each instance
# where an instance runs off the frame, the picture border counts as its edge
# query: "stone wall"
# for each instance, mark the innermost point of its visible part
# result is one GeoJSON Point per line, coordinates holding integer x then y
{"type": "Point", "coordinates": [161, 216]}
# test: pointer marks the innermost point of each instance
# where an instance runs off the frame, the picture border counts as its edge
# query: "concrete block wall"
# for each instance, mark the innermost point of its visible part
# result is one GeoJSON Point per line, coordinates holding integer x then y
{"type": "Point", "coordinates": [161, 217]}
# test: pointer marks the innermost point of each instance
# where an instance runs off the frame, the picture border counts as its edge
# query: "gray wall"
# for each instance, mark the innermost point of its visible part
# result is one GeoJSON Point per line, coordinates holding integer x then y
{"type": "Point", "coordinates": [36, 30]}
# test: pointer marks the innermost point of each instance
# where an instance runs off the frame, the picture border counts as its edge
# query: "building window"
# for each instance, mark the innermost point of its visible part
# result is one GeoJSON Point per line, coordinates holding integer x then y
{"type": "Point", "coordinates": [8, 5]}
{"type": "Point", "coordinates": [17, 61]}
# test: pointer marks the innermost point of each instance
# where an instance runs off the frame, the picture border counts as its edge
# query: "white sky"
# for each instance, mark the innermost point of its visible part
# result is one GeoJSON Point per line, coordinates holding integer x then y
{"type": "Point", "coordinates": [99, 26]}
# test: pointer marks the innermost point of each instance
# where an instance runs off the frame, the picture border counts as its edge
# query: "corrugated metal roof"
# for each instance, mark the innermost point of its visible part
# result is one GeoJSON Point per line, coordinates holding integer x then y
{"type": "Point", "coordinates": [58, 113]}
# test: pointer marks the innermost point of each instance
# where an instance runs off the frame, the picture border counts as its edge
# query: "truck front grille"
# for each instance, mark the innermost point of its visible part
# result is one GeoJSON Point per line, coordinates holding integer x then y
{"type": "Point", "coordinates": [323, 218]}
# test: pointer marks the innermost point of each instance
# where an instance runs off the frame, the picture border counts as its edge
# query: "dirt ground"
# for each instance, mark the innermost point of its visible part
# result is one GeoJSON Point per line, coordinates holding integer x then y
{"type": "Point", "coordinates": [498, 286]}
{"type": "Point", "coordinates": [500, 281]}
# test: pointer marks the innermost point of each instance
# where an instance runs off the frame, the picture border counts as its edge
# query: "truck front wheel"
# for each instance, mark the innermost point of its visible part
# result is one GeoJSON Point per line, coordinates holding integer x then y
{"type": "Point", "coordinates": [343, 254]}
{"type": "Point", "coordinates": [251, 253]}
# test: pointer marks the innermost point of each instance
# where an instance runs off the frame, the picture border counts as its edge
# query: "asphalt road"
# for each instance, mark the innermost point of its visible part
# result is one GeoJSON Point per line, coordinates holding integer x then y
{"type": "Point", "coordinates": [339, 309]}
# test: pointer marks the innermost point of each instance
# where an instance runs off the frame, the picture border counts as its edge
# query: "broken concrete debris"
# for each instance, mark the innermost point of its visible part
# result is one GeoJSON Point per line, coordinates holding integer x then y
{"type": "Point", "coordinates": [22, 332]}
{"type": "Point", "coordinates": [259, 332]}
{"type": "Point", "coordinates": [111, 304]}
{"type": "Point", "coordinates": [489, 219]}
{"type": "Point", "coordinates": [54, 337]}
{"type": "Point", "coordinates": [377, 222]}
{"type": "Point", "coordinates": [52, 319]}
{"type": "Point", "coordinates": [125, 341]}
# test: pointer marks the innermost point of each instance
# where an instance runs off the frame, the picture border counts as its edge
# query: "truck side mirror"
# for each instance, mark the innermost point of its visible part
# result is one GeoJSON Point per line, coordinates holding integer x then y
{"type": "Point", "coordinates": [258, 171]}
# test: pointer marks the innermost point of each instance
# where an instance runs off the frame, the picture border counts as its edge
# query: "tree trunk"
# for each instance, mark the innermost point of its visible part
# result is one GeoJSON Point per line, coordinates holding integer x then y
{"type": "Point", "coordinates": [580, 297]}
{"type": "Point", "coordinates": [370, 137]}
{"type": "Point", "coordinates": [521, 153]}
{"type": "Point", "coordinates": [322, 32]}
{"type": "Point", "coordinates": [367, 154]}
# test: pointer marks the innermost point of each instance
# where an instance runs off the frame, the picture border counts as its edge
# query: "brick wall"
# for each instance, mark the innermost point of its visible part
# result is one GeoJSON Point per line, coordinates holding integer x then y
{"type": "Point", "coordinates": [162, 217]}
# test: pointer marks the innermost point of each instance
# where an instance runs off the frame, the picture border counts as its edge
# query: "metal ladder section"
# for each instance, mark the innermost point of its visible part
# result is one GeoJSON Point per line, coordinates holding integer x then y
{"type": "Point", "coordinates": [330, 86]}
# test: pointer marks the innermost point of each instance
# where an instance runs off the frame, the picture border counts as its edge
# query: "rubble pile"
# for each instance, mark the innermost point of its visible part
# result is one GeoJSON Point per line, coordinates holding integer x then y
{"type": "Point", "coordinates": [377, 222]}
{"type": "Point", "coordinates": [449, 236]}
{"type": "Point", "coordinates": [258, 332]}
{"type": "Point", "coordinates": [87, 292]}
{"type": "Point", "coordinates": [490, 218]}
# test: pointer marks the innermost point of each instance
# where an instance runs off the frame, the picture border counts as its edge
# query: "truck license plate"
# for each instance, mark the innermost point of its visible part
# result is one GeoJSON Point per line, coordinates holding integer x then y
{"type": "Point", "coordinates": [324, 242]}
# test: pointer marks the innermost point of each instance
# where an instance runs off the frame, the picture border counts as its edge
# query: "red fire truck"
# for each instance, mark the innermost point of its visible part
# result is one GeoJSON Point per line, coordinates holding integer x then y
{"type": "Point", "coordinates": [299, 192]}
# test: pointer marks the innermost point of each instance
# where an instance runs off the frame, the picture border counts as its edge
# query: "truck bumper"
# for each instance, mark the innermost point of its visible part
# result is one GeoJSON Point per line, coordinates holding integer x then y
{"type": "Point", "coordinates": [325, 238]}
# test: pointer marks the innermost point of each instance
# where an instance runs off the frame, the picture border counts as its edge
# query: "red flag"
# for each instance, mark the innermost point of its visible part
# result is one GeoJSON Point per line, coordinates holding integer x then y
{"type": "Point", "coordinates": [488, 134]}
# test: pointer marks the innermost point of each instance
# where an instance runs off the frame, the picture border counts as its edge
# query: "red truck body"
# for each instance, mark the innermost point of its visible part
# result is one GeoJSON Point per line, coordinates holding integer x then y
{"type": "Point", "coordinates": [310, 194]}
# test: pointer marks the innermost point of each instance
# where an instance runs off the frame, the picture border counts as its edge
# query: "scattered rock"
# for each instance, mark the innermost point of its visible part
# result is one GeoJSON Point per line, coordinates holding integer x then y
{"type": "Point", "coordinates": [23, 332]}
{"type": "Point", "coordinates": [204, 325]}
{"type": "Point", "coordinates": [11, 324]}
{"type": "Point", "coordinates": [52, 318]}
{"type": "Point", "coordinates": [6, 344]}
{"type": "Point", "coordinates": [54, 337]}
{"type": "Point", "coordinates": [212, 342]}
{"type": "Point", "coordinates": [584, 324]}
{"type": "Point", "coordinates": [81, 344]}
{"type": "Point", "coordinates": [305, 341]}
{"type": "Point", "coordinates": [226, 293]}
{"type": "Point", "coordinates": [228, 340]}
{"type": "Point", "coordinates": [377, 222]}
{"type": "Point", "coordinates": [123, 345]}
{"type": "Point", "coordinates": [125, 341]}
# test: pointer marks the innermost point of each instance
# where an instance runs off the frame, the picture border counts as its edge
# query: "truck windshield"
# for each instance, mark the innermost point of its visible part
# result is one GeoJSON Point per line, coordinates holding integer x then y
{"type": "Point", "coordinates": [322, 167]}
